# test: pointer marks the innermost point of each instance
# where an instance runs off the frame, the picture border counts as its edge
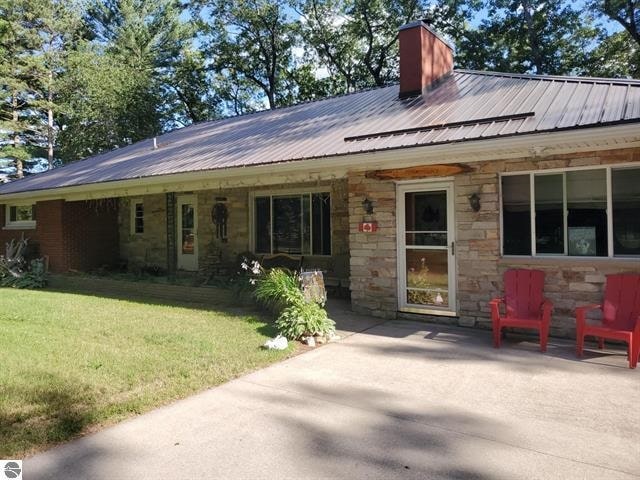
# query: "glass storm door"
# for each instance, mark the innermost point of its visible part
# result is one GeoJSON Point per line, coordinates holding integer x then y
{"type": "Point", "coordinates": [187, 233]}
{"type": "Point", "coordinates": [426, 267]}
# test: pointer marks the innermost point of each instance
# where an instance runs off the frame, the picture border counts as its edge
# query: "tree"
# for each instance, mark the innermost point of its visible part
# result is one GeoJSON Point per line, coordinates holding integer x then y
{"type": "Point", "coordinates": [617, 55]}
{"type": "Point", "coordinates": [18, 120]}
{"type": "Point", "coordinates": [526, 36]}
{"type": "Point", "coordinates": [625, 12]}
{"type": "Point", "coordinates": [105, 104]}
{"type": "Point", "coordinates": [134, 77]}
{"type": "Point", "coordinates": [357, 39]}
{"type": "Point", "coordinates": [59, 25]}
{"type": "Point", "coordinates": [252, 41]}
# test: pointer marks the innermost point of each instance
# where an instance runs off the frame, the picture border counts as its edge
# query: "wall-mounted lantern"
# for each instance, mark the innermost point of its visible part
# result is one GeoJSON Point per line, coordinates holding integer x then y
{"type": "Point", "coordinates": [474, 202]}
{"type": "Point", "coordinates": [367, 205]}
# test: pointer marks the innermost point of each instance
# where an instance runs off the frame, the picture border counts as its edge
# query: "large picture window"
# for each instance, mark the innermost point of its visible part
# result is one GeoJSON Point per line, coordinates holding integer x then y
{"type": "Point", "coordinates": [296, 224]}
{"type": "Point", "coordinates": [577, 213]}
{"type": "Point", "coordinates": [21, 216]}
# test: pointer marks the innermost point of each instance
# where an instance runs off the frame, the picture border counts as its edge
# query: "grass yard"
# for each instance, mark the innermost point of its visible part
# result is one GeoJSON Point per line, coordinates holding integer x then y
{"type": "Point", "coordinates": [70, 363]}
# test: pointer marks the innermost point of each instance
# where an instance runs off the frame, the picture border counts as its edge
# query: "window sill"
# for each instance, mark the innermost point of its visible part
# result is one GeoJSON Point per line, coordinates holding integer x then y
{"type": "Point", "coordinates": [562, 260]}
{"type": "Point", "coordinates": [17, 226]}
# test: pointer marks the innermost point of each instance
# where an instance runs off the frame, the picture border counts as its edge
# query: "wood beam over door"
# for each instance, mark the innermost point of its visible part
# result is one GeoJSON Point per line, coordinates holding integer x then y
{"type": "Point", "coordinates": [422, 171]}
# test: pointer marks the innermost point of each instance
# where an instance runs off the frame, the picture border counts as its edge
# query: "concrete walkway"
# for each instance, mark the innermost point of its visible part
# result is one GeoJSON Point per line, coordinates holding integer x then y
{"type": "Point", "coordinates": [400, 400]}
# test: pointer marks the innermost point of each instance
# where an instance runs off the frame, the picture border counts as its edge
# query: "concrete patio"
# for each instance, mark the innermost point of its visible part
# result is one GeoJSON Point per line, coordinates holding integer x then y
{"type": "Point", "coordinates": [400, 399]}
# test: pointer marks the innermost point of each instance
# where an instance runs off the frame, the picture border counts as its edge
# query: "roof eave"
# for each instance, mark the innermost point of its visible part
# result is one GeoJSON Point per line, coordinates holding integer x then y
{"type": "Point", "coordinates": [495, 148]}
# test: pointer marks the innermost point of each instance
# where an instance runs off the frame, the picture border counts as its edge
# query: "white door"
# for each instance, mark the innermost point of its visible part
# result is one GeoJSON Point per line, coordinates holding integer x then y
{"type": "Point", "coordinates": [426, 248]}
{"type": "Point", "coordinates": [187, 233]}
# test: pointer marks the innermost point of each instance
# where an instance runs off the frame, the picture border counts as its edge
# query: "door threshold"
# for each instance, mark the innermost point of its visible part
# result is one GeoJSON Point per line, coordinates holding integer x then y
{"type": "Point", "coordinates": [426, 311]}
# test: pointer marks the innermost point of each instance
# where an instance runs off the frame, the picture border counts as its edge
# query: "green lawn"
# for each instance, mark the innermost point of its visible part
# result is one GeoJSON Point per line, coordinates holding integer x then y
{"type": "Point", "coordinates": [70, 363]}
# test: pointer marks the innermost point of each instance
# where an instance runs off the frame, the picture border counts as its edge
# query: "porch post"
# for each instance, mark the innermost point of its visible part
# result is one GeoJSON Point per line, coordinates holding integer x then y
{"type": "Point", "coordinates": [172, 254]}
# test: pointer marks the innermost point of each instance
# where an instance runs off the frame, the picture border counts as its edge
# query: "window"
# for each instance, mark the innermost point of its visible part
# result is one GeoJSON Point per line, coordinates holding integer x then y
{"type": "Point", "coordinates": [568, 213]}
{"type": "Point", "coordinates": [137, 217]}
{"type": "Point", "coordinates": [21, 216]}
{"type": "Point", "coordinates": [296, 224]}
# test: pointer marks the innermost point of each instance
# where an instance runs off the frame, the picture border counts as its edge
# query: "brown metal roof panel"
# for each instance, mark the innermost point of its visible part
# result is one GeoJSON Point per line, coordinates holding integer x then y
{"type": "Point", "coordinates": [552, 109]}
{"type": "Point", "coordinates": [616, 104]}
{"type": "Point", "coordinates": [460, 109]}
{"type": "Point", "coordinates": [592, 110]}
{"type": "Point", "coordinates": [632, 108]}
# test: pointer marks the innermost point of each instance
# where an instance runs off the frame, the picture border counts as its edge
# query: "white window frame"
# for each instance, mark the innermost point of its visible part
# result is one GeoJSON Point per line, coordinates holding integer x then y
{"type": "Point", "coordinates": [134, 202]}
{"type": "Point", "coordinates": [285, 193]}
{"type": "Point", "coordinates": [565, 256]}
{"type": "Point", "coordinates": [18, 225]}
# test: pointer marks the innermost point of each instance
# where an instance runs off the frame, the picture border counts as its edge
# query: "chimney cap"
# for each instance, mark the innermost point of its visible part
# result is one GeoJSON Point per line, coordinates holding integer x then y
{"type": "Point", "coordinates": [425, 25]}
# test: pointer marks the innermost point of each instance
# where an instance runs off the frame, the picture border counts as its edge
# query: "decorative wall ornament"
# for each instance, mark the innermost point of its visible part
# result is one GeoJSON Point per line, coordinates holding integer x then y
{"type": "Point", "coordinates": [219, 216]}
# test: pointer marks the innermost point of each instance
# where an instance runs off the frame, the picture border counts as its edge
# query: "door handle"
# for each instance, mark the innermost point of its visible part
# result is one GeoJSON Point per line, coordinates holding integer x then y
{"type": "Point", "coordinates": [453, 248]}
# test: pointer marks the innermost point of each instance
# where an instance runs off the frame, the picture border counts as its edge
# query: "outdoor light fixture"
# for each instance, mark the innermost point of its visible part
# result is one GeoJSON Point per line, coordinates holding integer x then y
{"type": "Point", "coordinates": [474, 202]}
{"type": "Point", "coordinates": [367, 205]}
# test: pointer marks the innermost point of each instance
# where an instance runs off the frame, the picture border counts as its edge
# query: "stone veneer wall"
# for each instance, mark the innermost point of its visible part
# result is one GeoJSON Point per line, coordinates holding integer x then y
{"type": "Point", "coordinates": [569, 281]}
{"type": "Point", "coordinates": [373, 255]}
{"type": "Point", "coordinates": [238, 242]}
{"type": "Point", "coordinates": [149, 248]}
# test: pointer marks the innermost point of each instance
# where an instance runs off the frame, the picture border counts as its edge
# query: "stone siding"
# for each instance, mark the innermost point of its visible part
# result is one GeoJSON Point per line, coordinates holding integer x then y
{"type": "Point", "coordinates": [570, 281]}
{"type": "Point", "coordinates": [374, 279]}
{"type": "Point", "coordinates": [212, 249]}
{"type": "Point", "coordinates": [214, 254]}
{"type": "Point", "coordinates": [148, 248]}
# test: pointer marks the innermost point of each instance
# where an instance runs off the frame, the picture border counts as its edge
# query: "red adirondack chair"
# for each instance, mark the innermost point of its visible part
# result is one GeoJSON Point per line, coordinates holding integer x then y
{"type": "Point", "coordinates": [620, 316]}
{"type": "Point", "coordinates": [524, 305]}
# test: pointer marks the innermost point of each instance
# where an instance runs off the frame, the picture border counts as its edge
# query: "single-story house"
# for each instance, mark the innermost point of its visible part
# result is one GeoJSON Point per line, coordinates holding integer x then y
{"type": "Point", "coordinates": [426, 190]}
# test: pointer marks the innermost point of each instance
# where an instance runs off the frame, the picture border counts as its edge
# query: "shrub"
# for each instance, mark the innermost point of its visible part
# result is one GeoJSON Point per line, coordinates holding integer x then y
{"type": "Point", "coordinates": [280, 291]}
{"type": "Point", "coordinates": [305, 319]}
{"type": "Point", "coordinates": [34, 277]}
{"type": "Point", "coordinates": [14, 270]}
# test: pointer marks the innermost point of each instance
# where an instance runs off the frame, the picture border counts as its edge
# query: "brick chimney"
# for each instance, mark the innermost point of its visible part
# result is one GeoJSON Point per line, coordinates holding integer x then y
{"type": "Point", "coordinates": [425, 58]}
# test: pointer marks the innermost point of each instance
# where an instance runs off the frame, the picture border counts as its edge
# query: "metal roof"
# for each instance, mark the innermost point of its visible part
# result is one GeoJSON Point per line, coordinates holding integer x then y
{"type": "Point", "coordinates": [467, 105]}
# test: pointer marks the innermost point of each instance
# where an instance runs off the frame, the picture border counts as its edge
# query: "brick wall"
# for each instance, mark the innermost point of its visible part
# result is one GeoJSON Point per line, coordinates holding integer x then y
{"type": "Point", "coordinates": [73, 235]}
{"type": "Point", "coordinates": [49, 229]}
{"type": "Point", "coordinates": [6, 235]}
{"type": "Point", "coordinates": [570, 281]}
{"type": "Point", "coordinates": [91, 234]}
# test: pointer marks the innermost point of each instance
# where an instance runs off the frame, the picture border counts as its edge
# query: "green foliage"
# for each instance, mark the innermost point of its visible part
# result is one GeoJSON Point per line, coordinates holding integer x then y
{"type": "Point", "coordinates": [356, 40]}
{"type": "Point", "coordinates": [541, 37]}
{"type": "Point", "coordinates": [80, 77]}
{"type": "Point", "coordinates": [34, 277]}
{"type": "Point", "coordinates": [304, 319]}
{"type": "Point", "coordinates": [617, 56]}
{"type": "Point", "coordinates": [624, 12]}
{"type": "Point", "coordinates": [252, 41]}
{"type": "Point", "coordinates": [279, 290]}
{"type": "Point", "coordinates": [106, 104]}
